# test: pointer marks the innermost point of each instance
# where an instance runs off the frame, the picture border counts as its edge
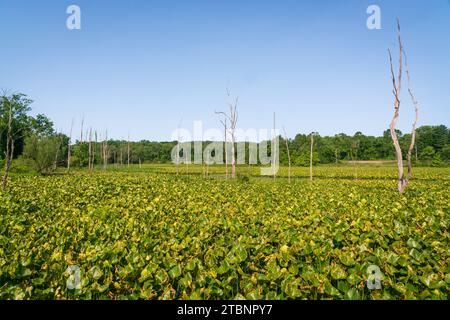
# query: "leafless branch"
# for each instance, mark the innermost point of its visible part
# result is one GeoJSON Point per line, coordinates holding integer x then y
{"type": "Point", "coordinates": [416, 119]}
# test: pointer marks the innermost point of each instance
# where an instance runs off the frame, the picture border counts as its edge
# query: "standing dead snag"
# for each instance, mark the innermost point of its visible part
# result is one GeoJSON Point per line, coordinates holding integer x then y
{"type": "Point", "coordinates": [81, 134]}
{"type": "Point", "coordinates": [416, 119]}
{"type": "Point", "coordinates": [93, 150]}
{"type": "Point", "coordinates": [9, 146]}
{"type": "Point", "coordinates": [354, 156]}
{"type": "Point", "coordinates": [81, 142]}
{"type": "Point", "coordinates": [274, 151]}
{"type": "Point", "coordinates": [68, 147]}
{"type": "Point", "coordinates": [55, 163]}
{"type": "Point", "coordinates": [105, 151]}
{"type": "Point", "coordinates": [311, 157]}
{"type": "Point", "coordinates": [233, 122]}
{"type": "Point", "coordinates": [121, 153]}
{"type": "Point", "coordinates": [224, 123]}
{"type": "Point", "coordinates": [397, 84]}
{"type": "Point", "coordinates": [90, 150]}
{"type": "Point", "coordinates": [402, 180]}
{"type": "Point", "coordinates": [288, 154]}
{"type": "Point", "coordinates": [128, 150]}
{"type": "Point", "coordinates": [232, 118]}
{"type": "Point", "coordinates": [81, 155]}
{"type": "Point", "coordinates": [178, 148]}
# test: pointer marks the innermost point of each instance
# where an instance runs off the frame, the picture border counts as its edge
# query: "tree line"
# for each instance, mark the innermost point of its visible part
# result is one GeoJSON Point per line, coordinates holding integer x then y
{"type": "Point", "coordinates": [35, 139]}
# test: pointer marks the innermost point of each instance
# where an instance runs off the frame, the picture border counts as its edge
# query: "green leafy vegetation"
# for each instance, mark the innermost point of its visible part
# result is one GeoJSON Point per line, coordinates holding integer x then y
{"type": "Point", "coordinates": [142, 235]}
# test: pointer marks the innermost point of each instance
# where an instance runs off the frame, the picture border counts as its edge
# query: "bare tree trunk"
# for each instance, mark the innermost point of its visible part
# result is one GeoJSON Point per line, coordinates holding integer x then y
{"type": "Point", "coordinates": [402, 182]}
{"type": "Point", "coordinates": [102, 153]}
{"type": "Point", "coordinates": [289, 155]}
{"type": "Point", "coordinates": [81, 142]}
{"type": "Point", "coordinates": [274, 155]}
{"type": "Point", "coordinates": [105, 152]}
{"type": "Point", "coordinates": [233, 122]}
{"type": "Point", "coordinates": [68, 147]}
{"type": "Point", "coordinates": [9, 149]}
{"type": "Point", "coordinates": [93, 150]}
{"type": "Point", "coordinates": [232, 118]}
{"type": "Point", "coordinates": [90, 150]}
{"type": "Point", "coordinates": [121, 153]}
{"type": "Point", "coordinates": [55, 164]}
{"type": "Point", "coordinates": [178, 156]}
{"type": "Point", "coordinates": [416, 119]}
{"type": "Point", "coordinates": [311, 157]}
{"type": "Point", "coordinates": [178, 146]}
{"type": "Point", "coordinates": [81, 134]}
{"type": "Point", "coordinates": [249, 167]}
{"type": "Point", "coordinates": [233, 158]}
{"type": "Point", "coordinates": [355, 146]}
{"type": "Point", "coordinates": [8, 162]}
{"type": "Point", "coordinates": [226, 148]}
{"type": "Point", "coordinates": [128, 150]}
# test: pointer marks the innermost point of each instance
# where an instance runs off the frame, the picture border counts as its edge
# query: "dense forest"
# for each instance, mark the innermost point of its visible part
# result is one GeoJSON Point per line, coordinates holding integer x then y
{"type": "Point", "coordinates": [36, 139]}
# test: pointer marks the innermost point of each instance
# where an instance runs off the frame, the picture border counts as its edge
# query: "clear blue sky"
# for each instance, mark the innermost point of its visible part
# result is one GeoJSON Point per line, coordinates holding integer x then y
{"type": "Point", "coordinates": [140, 66]}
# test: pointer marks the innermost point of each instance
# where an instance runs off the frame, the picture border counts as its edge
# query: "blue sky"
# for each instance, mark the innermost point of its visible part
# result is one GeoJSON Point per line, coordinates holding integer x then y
{"type": "Point", "coordinates": [141, 66]}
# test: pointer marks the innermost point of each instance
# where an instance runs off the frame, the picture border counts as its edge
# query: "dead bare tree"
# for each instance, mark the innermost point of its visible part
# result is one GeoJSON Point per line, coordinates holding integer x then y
{"type": "Point", "coordinates": [90, 150]}
{"type": "Point", "coordinates": [354, 155]}
{"type": "Point", "coordinates": [101, 149]}
{"type": "Point", "coordinates": [232, 117]}
{"type": "Point", "coordinates": [224, 123]}
{"type": "Point", "coordinates": [81, 142]}
{"type": "Point", "coordinates": [121, 153]}
{"type": "Point", "coordinates": [416, 119]}
{"type": "Point", "coordinates": [226, 147]}
{"type": "Point", "coordinates": [9, 145]}
{"type": "Point", "coordinates": [128, 150]}
{"type": "Point", "coordinates": [311, 157]}
{"type": "Point", "coordinates": [105, 151]}
{"type": "Point", "coordinates": [397, 84]}
{"type": "Point", "coordinates": [178, 147]}
{"type": "Point", "coordinates": [81, 134]}
{"type": "Point", "coordinates": [69, 147]}
{"type": "Point", "coordinates": [55, 163]}
{"type": "Point", "coordinates": [288, 153]}
{"type": "Point", "coordinates": [274, 151]}
{"type": "Point", "coordinates": [93, 150]}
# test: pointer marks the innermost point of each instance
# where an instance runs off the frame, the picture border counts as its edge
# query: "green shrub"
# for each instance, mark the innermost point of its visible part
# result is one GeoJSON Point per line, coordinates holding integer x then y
{"type": "Point", "coordinates": [42, 151]}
